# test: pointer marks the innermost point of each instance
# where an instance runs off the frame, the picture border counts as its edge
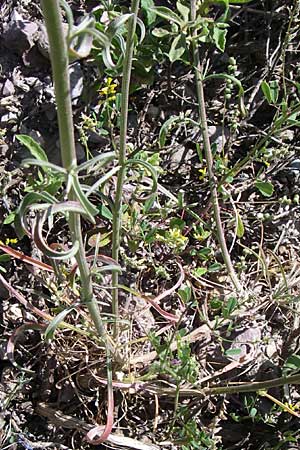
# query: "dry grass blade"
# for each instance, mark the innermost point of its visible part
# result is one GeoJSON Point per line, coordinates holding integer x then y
{"type": "Point", "coordinates": [10, 349]}
{"type": "Point", "coordinates": [66, 421]}
{"type": "Point", "coordinates": [27, 259]}
{"type": "Point", "coordinates": [14, 293]}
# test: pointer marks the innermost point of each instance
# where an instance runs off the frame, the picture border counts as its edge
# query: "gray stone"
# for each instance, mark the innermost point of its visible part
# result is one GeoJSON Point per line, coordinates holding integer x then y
{"type": "Point", "coordinates": [218, 136]}
{"type": "Point", "coordinates": [19, 34]}
{"type": "Point", "coordinates": [9, 118]}
{"type": "Point", "coordinates": [76, 80]}
{"type": "Point", "coordinates": [8, 88]}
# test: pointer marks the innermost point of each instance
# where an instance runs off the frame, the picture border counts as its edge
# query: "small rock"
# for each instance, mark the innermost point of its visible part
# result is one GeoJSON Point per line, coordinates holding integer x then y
{"type": "Point", "coordinates": [80, 152]}
{"type": "Point", "coordinates": [19, 34]}
{"type": "Point", "coordinates": [97, 138]}
{"type": "Point", "coordinates": [8, 88]}
{"type": "Point", "coordinates": [218, 136]}
{"type": "Point", "coordinates": [3, 149]}
{"type": "Point", "coordinates": [76, 80]}
{"type": "Point", "coordinates": [9, 118]}
{"type": "Point", "coordinates": [244, 340]}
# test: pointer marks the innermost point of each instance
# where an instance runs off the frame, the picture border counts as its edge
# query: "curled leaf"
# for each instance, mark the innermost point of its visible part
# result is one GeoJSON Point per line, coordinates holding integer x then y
{"type": "Point", "coordinates": [150, 168]}
{"type": "Point", "coordinates": [21, 224]}
{"type": "Point", "coordinates": [10, 349]}
{"type": "Point", "coordinates": [41, 244]}
{"type": "Point", "coordinates": [56, 322]}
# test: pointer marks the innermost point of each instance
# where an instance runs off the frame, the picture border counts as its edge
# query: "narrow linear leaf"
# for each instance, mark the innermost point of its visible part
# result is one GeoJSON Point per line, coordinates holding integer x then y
{"type": "Point", "coordinates": [100, 160]}
{"type": "Point", "coordinates": [102, 180]}
{"type": "Point", "coordinates": [44, 164]}
{"type": "Point", "coordinates": [20, 223]}
{"type": "Point", "coordinates": [89, 208]}
{"type": "Point", "coordinates": [31, 145]}
{"type": "Point", "coordinates": [150, 168]}
{"type": "Point", "coordinates": [56, 322]}
{"type": "Point", "coordinates": [42, 245]}
{"type": "Point", "coordinates": [270, 91]}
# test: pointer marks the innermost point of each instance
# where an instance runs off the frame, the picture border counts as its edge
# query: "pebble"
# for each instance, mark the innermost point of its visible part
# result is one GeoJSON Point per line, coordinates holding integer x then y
{"type": "Point", "coordinates": [8, 88]}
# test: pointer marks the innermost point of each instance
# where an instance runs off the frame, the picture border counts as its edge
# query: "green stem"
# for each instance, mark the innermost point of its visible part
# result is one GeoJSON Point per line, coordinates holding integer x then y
{"type": "Point", "coordinates": [209, 158]}
{"type": "Point", "coordinates": [60, 71]}
{"type": "Point", "coordinates": [117, 219]}
{"type": "Point", "coordinates": [252, 387]}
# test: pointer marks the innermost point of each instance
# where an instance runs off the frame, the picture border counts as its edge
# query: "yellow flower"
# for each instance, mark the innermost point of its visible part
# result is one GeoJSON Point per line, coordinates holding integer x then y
{"type": "Point", "coordinates": [109, 89]}
{"type": "Point", "coordinates": [202, 173]}
{"type": "Point", "coordinates": [9, 241]}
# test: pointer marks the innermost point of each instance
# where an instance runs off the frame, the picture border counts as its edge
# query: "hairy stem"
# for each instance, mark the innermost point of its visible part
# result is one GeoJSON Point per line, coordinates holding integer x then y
{"type": "Point", "coordinates": [209, 158]}
{"type": "Point", "coordinates": [60, 71]}
{"type": "Point", "coordinates": [117, 219]}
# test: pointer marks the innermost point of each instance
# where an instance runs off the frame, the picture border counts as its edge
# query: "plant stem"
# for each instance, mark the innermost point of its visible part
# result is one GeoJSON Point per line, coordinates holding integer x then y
{"type": "Point", "coordinates": [208, 155]}
{"type": "Point", "coordinates": [60, 71]}
{"type": "Point", "coordinates": [117, 213]}
{"type": "Point", "coordinates": [253, 386]}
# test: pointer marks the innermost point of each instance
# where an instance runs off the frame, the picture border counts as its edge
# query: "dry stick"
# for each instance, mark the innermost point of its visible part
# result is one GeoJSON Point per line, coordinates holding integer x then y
{"type": "Point", "coordinates": [60, 70]}
{"type": "Point", "coordinates": [117, 213]}
{"type": "Point", "coordinates": [208, 155]}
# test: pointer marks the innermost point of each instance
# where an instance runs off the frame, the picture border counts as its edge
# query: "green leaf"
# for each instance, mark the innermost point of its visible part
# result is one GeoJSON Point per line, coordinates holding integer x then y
{"type": "Point", "coordinates": [167, 14]}
{"type": "Point", "coordinates": [184, 11]}
{"type": "Point", "coordinates": [90, 209]}
{"type": "Point", "coordinates": [4, 258]}
{"type": "Point", "coordinates": [102, 180]}
{"type": "Point", "coordinates": [29, 199]}
{"type": "Point", "coordinates": [178, 223]}
{"type": "Point", "coordinates": [271, 91]}
{"type": "Point", "coordinates": [44, 164]}
{"type": "Point", "coordinates": [233, 352]}
{"type": "Point", "coordinates": [215, 267]}
{"type": "Point", "coordinates": [230, 306]}
{"type": "Point", "coordinates": [177, 48]}
{"type": "Point", "coordinates": [165, 128]}
{"type": "Point", "coordinates": [265, 188]}
{"type": "Point", "coordinates": [100, 160]}
{"type": "Point", "coordinates": [292, 362]}
{"type": "Point", "coordinates": [160, 32]}
{"type": "Point", "coordinates": [34, 148]}
{"type": "Point", "coordinates": [240, 229]}
{"type": "Point", "coordinates": [219, 37]}
{"type": "Point", "coordinates": [146, 6]}
{"type": "Point", "coordinates": [42, 245]}
{"type": "Point", "coordinates": [239, 2]}
{"type": "Point", "coordinates": [54, 324]}
{"type": "Point", "coordinates": [163, 132]}
{"type": "Point", "coordinates": [199, 271]}
{"type": "Point", "coordinates": [185, 293]}
{"type": "Point", "coordinates": [10, 218]}
{"type": "Point", "coordinates": [105, 212]}
{"type": "Point", "coordinates": [253, 412]}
